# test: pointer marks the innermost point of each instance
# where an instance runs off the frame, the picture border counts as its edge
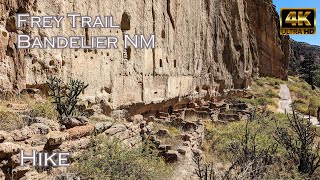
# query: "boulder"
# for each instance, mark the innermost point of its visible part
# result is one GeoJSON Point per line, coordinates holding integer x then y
{"type": "Point", "coordinates": [164, 147]}
{"type": "Point", "coordinates": [187, 137]}
{"type": "Point", "coordinates": [7, 149]}
{"type": "Point", "coordinates": [75, 145]}
{"type": "Point", "coordinates": [102, 126]}
{"type": "Point", "coordinates": [39, 128]}
{"type": "Point", "coordinates": [171, 156]}
{"type": "Point", "coordinates": [54, 125]}
{"type": "Point", "coordinates": [115, 129]}
{"type": "Point", "coordinates": [182, 150]}
{"type": "Point", "coordinates": [3, 136]}
{"type": "Point", "coordinates": [80, 131]}
{"type": "Point", "coordinates": [89, 112]}
{"type": "Point", "coordinates": [163, 132]}
{"type": "Point", "coordinates": [37, 140]}
{"type": "Point", "coordinates": [190, 126]}
{"type": "Point", "coordinates": [71, 122]}
{"type": "Point", "coordinates": [22, 134]}
{"type": "Point", "coordinates": [186, 143]}
{"type": "Point", "coordinates": [136, 118]}
{"type": "Point", "coordinates": [56, 138]}
{"type": "Point", "coordinates": [20, 171]}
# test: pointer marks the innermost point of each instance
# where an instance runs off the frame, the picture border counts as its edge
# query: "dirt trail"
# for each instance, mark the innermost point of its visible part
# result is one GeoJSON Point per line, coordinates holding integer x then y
{"type": "Point", "coordinates": [286, 101]}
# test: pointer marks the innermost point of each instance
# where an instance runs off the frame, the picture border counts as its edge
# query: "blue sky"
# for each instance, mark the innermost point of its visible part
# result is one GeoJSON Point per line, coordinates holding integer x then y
{"type": "Point", "coordinates": [311, 39]}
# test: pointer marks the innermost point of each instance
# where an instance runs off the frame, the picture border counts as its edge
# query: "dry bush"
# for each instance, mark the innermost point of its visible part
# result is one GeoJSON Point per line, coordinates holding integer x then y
{"type": "Point", "coordinates": [299, 140]}
{"type": "Point", "coordinates": [10, 121]}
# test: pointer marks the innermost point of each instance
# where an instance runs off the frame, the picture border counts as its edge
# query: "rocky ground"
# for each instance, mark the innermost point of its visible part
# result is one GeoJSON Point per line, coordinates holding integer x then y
{"type": "Point", "coordinates": [177, 134]}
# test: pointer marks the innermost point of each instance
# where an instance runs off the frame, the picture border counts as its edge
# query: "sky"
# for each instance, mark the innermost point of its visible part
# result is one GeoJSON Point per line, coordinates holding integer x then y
{"type": "Point", "coordinates": [311, 39]}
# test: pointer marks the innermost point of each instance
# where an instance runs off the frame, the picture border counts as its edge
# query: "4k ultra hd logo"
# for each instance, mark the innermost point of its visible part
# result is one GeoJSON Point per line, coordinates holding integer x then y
{"type": "Point", "coordinates": [297, 21]}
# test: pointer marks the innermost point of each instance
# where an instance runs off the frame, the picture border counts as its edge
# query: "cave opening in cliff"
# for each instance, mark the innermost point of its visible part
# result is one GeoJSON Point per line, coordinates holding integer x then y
{"type": "Point", "coordinates": [4, 34]}
{"type": "Point", "coordinates": [86, 35]}
{"type": "Point", "coordinates": [125, 22]}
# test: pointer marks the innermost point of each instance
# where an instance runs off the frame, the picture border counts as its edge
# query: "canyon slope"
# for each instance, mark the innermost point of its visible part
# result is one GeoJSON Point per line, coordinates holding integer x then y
{"type": "Point", "coordinates": [298, 52]}
{"type": "Point", "coordinates": [203, 48]}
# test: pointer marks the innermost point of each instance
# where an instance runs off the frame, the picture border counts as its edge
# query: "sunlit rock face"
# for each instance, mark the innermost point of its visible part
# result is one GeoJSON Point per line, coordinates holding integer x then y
{"type": "Point", "coordinates": [204, 47]}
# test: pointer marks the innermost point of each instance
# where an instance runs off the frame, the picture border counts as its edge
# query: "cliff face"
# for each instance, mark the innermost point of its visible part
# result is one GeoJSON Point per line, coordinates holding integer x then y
{"type": "Point", "coordinates": [273, 50]}
{"type": "Point", "coordinates": [298, 51]}
{"type": "Point", "coordinates": [203, 48]}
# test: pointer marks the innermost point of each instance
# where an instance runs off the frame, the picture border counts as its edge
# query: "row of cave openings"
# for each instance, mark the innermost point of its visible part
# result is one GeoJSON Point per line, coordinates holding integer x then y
{"type": "Point", "coordinates": [161, 63]}
{"type": "Point", "coordinates": [125, 25]}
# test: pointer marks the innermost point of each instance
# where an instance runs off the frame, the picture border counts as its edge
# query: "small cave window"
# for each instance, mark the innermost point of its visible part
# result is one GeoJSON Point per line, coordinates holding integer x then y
{"type": "Point", "coordinates": [63, 63]}
{"type": "Point", "coordinates": [51, 63]}
{"type": "Point", "coordinates": [129, 52]}
{"type": "Point", "coordinates": [86, 30]}
{"type": "Point", "coordinates": [4, 34]}
{"type": "Point", "coordinates": [160, 62]}
{"type": "Point", "coordinates": [175, 63]}
{"type": "Point", "coordinates": [125, 22]}
{"type": "Point", "coordinates": [170, 110]}
{"type": "Point", "coordinates": [163, 34]}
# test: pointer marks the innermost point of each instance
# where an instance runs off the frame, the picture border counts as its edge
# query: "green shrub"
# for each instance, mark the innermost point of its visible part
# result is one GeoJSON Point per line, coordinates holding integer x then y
{"type": "Point", "coordinates": [44, 109]}
{"type": "Point", "coordinates": [10, 121]}
{"type": "Point", "coordinates": [65, 95]}
{"type": "Point", "coordinates": [271, 94]}
{"type": "Point", "coordinates": [259, 101]}
{"type": "Point", "coordinates": [304, 97]}
{"type": "Point", "coordinates": [109, 159]}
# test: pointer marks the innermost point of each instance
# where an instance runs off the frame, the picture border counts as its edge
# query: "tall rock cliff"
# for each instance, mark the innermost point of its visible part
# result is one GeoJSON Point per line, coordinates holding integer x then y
{"type": "Point", "coordinates": [203, 48]}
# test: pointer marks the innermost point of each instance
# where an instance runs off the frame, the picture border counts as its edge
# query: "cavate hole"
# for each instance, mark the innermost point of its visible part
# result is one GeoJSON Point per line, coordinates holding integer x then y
{"type": "Point", "coordinates": [163, 34]}
{"type": "Point", "coordinates": [175, 63]}
{"type": "Point", "coordinates": [4, 34]}
{"type": "Point", "coordinates": [125, 22]}
{"type": "Point", "coordinates": [33, 61]}
{"type": "Point", "coordinates": [129, 52]}
{"type": "Point", "coordinates": [63, 63]}
{"type": "Point", "coordinates": [160, 62]}
{"type": "Point", "coordinates": [51, 63]}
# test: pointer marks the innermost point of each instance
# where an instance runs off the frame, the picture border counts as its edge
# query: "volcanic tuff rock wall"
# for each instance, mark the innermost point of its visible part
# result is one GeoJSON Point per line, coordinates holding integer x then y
{"type": "Point", "coordinates": [203, 47]}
